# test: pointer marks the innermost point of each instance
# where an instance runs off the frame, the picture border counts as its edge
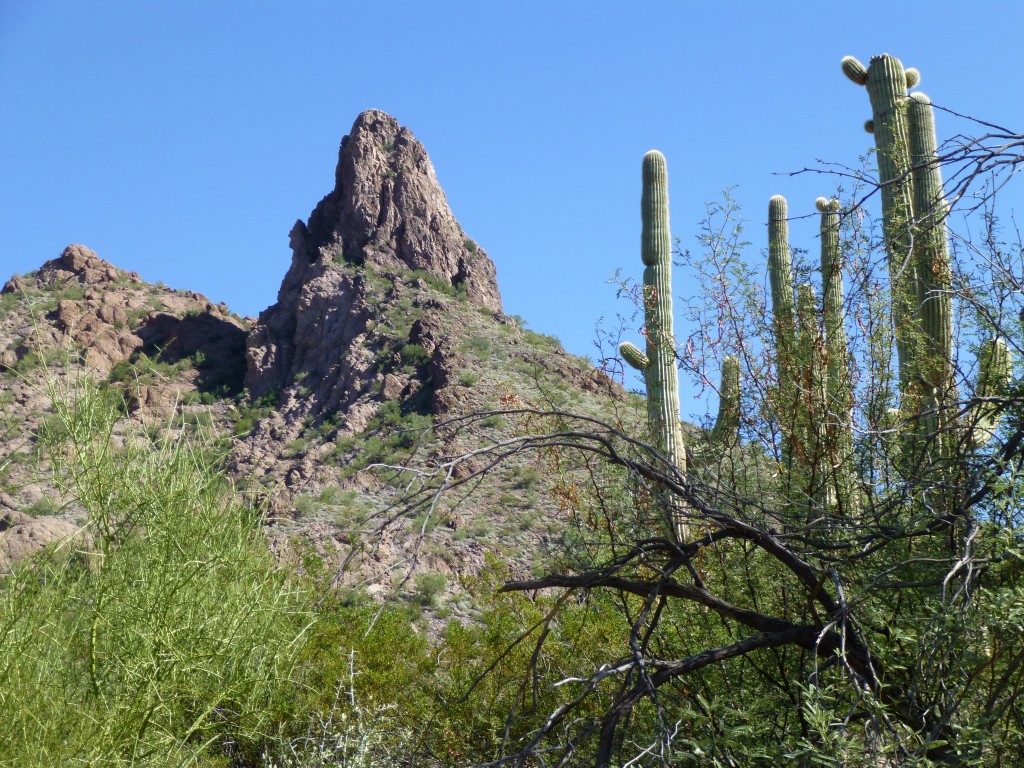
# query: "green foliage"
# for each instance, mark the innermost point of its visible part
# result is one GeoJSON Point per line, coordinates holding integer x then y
{"type": "Point", "coordinates": [430, 586]}
{"type": "Point", "coordinates": [480, 346]}
{"type": "Point", "coordinates": [390, 437]}
{"type": "Point", "coordinates": [170, 635]}
{"type": "Point", "coordinates": [414, 355]}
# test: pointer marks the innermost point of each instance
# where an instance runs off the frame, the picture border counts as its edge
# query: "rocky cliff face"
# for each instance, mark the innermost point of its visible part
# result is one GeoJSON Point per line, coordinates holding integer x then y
{"type": "Point", "coordinates": [386, 214]}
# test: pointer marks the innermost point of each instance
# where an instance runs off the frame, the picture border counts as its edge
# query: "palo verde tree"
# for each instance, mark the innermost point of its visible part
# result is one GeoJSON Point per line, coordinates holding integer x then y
{"type": "Point", "coordinates": [848, 588]}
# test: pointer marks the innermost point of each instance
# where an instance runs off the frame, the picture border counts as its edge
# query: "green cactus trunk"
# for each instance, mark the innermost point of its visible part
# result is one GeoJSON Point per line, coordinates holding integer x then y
{"type": "Point", "coordinates": [659, 363]}
{"type": "Point", "coordinates": [886, 83]}
{"type": "Point", "coordinates": [932, 268]}
{"type": "Point", "coordinates": [813, 400]}
{"type": "Point", "coordinates": [780, 275]}
{"type": "Point", "coordinates": [995, 368]}
{"type": "Point", "coordinates": [726, 429]}
{"type": "Point", "coordinates": [838, 421]}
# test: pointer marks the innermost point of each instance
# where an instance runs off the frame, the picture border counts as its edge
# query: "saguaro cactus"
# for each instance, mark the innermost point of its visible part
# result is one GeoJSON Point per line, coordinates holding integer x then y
{"type": "Point", "coordinates": [780, 275]}
{"type": "Point", "coordinates": [659, 363]}
{"type": "Point", "coordinates": [813, 401]}
{"type": "Point", "coordinates": [886, 82]}
{"type": "Point", "coordinates": [914, 211]}
{"type": "Point", "coordinates": [994, 370]}
{"type": "Point", "coordinates": [838, 411]}
{"type": "Point", "coordinates": [727, 424]}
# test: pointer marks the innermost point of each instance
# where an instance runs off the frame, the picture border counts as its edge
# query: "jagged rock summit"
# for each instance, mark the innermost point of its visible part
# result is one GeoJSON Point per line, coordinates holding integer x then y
{"type": "Point", "coordinates": [388, 210]}
{"type": "Point", "coordinates": [387, 214]}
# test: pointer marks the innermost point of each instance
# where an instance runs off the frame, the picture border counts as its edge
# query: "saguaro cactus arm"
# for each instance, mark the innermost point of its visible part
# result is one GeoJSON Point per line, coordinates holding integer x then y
{"type": "Point", "coordinates": [632, 355]}
{"type": "Point", "coordinates": [728, 422]}
{"type": "Point", "coordinates": [995, 367]}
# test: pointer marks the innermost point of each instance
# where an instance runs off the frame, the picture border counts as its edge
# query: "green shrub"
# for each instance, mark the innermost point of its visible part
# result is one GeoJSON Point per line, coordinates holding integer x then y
{"type": "Point", "coordinates": [480, 346]}
{"type": "Point", "coordinates": [172, 637]}
{"type": "Point", "coordinates": [414, 355]}
{"type": "Point", "coordinates": [430, 586]}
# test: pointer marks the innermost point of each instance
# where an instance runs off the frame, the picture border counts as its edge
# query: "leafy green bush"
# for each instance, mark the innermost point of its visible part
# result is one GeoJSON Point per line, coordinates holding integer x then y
{"type": "Point", "coordinates": [172, 635]}
{"type": "Point", "coordinates": [414, 355]}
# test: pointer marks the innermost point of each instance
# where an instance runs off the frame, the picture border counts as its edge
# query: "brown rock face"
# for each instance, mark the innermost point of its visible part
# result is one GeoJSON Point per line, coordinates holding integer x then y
{"type": "Point", "coordinates": [388, 210]}
{"type": "Point", "coordinates": [386, 214]}
{"type": "Point", "coordinates": [22, 536]}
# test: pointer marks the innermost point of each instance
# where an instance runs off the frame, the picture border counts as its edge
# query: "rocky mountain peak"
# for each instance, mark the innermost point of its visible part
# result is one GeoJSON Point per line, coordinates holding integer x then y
{"type": "Point", "coordinates": [386, 218]}
{"type": "Point", "coordinates": [387, 210]}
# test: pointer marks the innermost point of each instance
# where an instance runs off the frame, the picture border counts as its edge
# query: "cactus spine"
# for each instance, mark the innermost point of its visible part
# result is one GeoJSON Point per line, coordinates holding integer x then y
{"type": "Point", "coordinates": [659, 362]}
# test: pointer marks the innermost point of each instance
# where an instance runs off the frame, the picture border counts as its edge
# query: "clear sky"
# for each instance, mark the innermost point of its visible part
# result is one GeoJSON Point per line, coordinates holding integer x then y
{"type": "Point", "coordinates": [183, 139]}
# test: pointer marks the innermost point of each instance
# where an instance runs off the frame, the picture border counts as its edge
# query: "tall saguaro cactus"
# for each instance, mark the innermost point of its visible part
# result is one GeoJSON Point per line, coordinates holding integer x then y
{"type": "Point", "coordinates": [914, 212]}
{"type": "Point", "coordinates": [659, 362]}
{"type": "Point", "coordinates": [814, 399]}
{"type": "Point", "coordinates": [838, 411]}
{"type": "Point", "coordinates": [886, 82]}
{"type": "Point", "coordinates": [780, 275]}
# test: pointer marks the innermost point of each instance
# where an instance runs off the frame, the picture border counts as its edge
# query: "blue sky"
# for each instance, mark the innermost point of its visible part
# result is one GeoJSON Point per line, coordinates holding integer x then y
{"type": "Point", "coordinates": [183, 139]}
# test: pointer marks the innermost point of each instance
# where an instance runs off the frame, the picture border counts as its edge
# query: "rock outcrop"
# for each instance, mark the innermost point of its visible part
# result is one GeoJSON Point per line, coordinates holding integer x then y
{"type": "Point", "coordinates": [387, 214]}
{"type": "Point", "coordinates": [21, 535]}
{"type": "Point", "coordinates": [105, 315]}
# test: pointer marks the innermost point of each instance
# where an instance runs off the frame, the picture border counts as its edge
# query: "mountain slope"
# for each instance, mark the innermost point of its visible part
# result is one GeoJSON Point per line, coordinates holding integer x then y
{"type": "Point", "coordinates": [388, 322]}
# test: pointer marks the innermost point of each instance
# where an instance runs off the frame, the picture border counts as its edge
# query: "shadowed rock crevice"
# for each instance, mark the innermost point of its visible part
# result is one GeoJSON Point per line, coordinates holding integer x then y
{"type": "Point", "coordinates": [215, 343]}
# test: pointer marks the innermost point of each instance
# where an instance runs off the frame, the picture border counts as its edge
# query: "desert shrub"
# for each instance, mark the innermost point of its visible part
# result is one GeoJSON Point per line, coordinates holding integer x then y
{"type": "Point", "coordinates": [414, 355]}
{"type": "Point", "coordinates": [480, 346]}
{"type": "Point", "coordinates": [172, 636]}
